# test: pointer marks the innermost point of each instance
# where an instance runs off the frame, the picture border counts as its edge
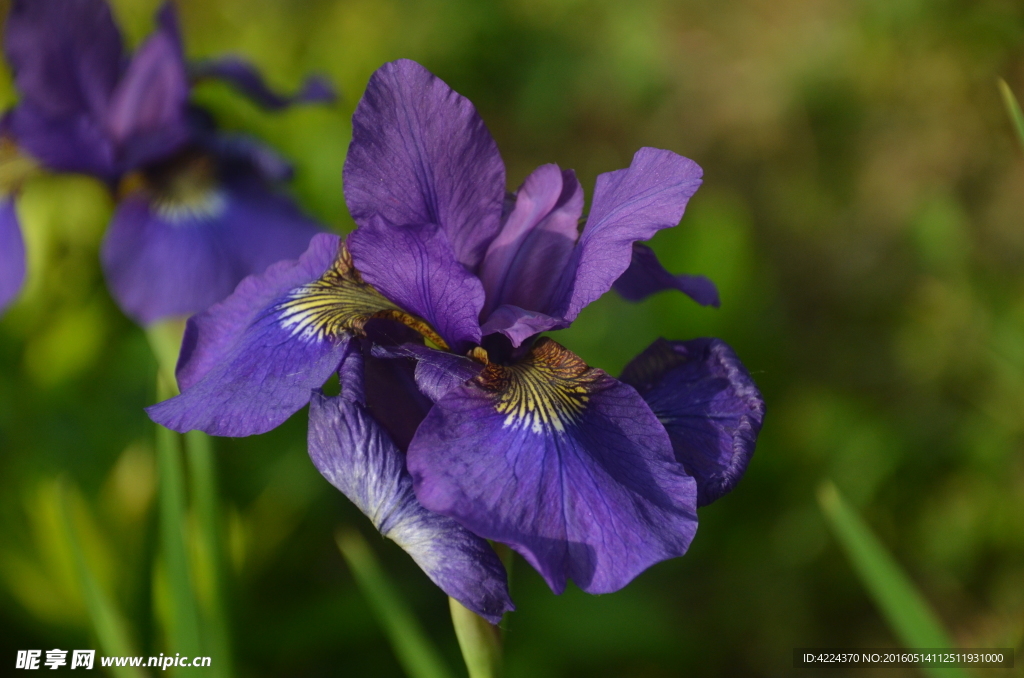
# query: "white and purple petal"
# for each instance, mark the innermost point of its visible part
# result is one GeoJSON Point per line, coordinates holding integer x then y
{"type": "Point", "coordinates": [247, 363]}
{"type": "Point", "coordinates": [355, 455]}
{"type": "Point", "coordinates": [177, 255]}
{"type": "Point", "coordinates": [709, 405]}
{"type": "Point", "coordinates": [629, 205]}
{"type": "Point", "coordinates": [646, 275]}
{"type": "Point", "coordinates": [415, 267]}
{"type": "Point", "coordinates": [560, 461]}
{"type": "Point", "coordinates": [420, 154]}
{"type": "Point", "coordinates": [12, 253]}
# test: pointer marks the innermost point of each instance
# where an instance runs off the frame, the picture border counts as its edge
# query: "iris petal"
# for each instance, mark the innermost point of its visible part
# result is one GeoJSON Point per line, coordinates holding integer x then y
{"type": "Point", "coordinates": [420, 154]}
{"type": "Point", "coordinates": [355, 455]}
{"type": "Point", "coordinates": [629, 205]}
{"type": "Point", "coordinates": [244, 77]}
{"type": "Point", "coordinates": [179, 254]}
{"type": "Point", "coordinates": [560, 461]}
{"type": "Point", "coordinates": [12, 253]}
{"type": "Point", "coordinates": [709, 405]}
{"type": "Point", "coordinates": [646, 275]}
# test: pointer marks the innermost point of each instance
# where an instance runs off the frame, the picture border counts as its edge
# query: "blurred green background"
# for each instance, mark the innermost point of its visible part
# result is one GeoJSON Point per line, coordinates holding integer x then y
{"type": "Point", "coordinates": [862, 214]}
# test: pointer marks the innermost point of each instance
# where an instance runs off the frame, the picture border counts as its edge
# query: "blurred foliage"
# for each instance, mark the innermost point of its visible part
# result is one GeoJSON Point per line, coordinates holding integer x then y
{"type": "Point", "coordinates": [861, 214]}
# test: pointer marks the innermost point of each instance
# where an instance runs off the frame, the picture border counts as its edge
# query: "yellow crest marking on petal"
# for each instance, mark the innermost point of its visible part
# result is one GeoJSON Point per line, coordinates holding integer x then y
{"type": "Point", "coordinates": [339, 302]}
{"type": "Point", "coordinates": [545, 391]}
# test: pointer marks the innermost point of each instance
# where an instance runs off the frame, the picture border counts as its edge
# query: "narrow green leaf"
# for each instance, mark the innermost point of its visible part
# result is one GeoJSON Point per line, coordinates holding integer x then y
{"type": "Point", "coordinates": [107, 621]}
{"type": "Point", "coordinates": [415, 652]}
{"type": "Point", "coordinates": [211, 565]}
{"type": "Point", "coordinates": [1013, 108]}
{"type": "Point", "coordinates": [183, 627]}
{"type": "Point", "coordinates": [479, 640]}
{"type": "Point", "coordinates": [903, 607]}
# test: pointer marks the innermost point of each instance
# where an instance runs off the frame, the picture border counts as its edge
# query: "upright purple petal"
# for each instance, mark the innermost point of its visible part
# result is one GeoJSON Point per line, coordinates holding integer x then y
{"type": "Point", "coordinates": [709, 405]}
{"type": "Point", "coordinates": [355, 455]}
{"type": "Point", "coordinates": [164, 257]}
{"type": "Point", "coordinates": [244, 77]}
{"type": "Point", "coordinates": [420, 154]}
{"type": "Point", "coordinates": [565, 464]}
{"type": "Point", "coordinates": [147, 118]}
{"type": "Point", "coordinates": [415, 267]}
{"type": "Point", "coordinates": [646, 275]}
{"type": "Point", "coordinates": [65, 54]}
{"type": "Point", "coordinates": [629, 205]}
{"type": "Point", "coordinates": [12, 253]}
{"type": "Point", "coordinates": [248, 363]}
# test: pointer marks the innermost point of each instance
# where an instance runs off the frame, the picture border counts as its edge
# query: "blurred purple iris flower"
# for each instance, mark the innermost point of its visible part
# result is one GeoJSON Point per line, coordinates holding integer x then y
{"type": "Point", "coordinates": [517, 440]}
{"type": "Point", "coordinates": [197, 210]}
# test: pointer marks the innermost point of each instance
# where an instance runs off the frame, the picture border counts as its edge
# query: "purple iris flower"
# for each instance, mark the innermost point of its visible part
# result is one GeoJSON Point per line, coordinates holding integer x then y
{"type": "Point", "coordinates": [197, 212]}
{"type": "Point", "coordinates": [12, 253]}
{"type": "Point", "coordinates": [519, 441]}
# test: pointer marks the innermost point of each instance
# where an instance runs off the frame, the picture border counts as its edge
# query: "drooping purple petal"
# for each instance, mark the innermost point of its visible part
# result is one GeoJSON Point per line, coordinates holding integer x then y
{"type": "Point", "coordinates": [629, 205]}
{"type": "Point", "coordinates": [245, 364]}
{"type": "Point", "coordinates": [146, 119]}
{"type": "Point", "coordinates": [355, 455]}
{"type": "Point", "coordinates": [68, 144]}
{"type": "Point", "coordinates": [244, 77]}
{"type": "Point", "coordinates": [415, 267]}
{"type": "Point", "coordinates": [164, 258]}
{"type": "Point", "coordinates": [646, 275]}
{"type": "Point", "coordinates": [709, 405]}
{"type": "Point", "coordinates": [524, 262]}
{"type": "Point", "coordinates": [420, 154]}
{"type": "Point", "coordinates": [65, 54]}
{"type": "Point", "coordinates": [12, 253]}
{"type": "Point", "coordinates": [565, 464]}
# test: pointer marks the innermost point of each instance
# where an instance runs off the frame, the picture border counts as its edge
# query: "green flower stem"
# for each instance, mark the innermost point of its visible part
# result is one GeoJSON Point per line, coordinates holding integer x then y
{"type": "Point", "coordinates": [479, 640]}
{"type": "Point", "coordinates": [107, 621]}
{"type": "Point", "coordinates": [414, 651]}
{"type": "Point", "coordinates": [1013, 108]}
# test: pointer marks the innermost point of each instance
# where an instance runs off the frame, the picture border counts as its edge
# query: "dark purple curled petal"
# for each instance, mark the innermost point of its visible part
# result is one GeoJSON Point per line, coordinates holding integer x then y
{"type": "Point", "coordinates": [244, 77]}
{"type": "Point", "coordinates": [646, 275]}
{"type": "Point", "coordinates": [355, 455]}
{"type": "Point", "coordinates": [163, 258]}
{"type": "Point", "coordinates": [244, 369]}
{"type": "Point", "coordinates": [437, 372]}
{"type": "Point", "coordinates": [565, 464]}
{"type": "Point", "coordinates": [519, 324]}
{"type": "Point", "coordinates": [12, 253]}
{"type": "Point", "coordinates": [420, 154]}
{"type": "Point", "coordinates": [709, 405]}
{"type": "Point", "coordinates": [65, 54]}
{"type": "Point", "coordinates": [415, 267]}
{"type": "Point", "coordinates": [629, 205]}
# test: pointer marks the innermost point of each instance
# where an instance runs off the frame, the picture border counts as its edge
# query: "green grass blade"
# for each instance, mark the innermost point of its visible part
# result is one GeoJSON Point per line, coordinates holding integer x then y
{"type": "Point", "coordinates": [183, 627]}
{"type": "Point", "coordinates": [211, 566]}
{"type": "Point", "coordinates": [1013, 108]}
{"type": "Point", "coordinates": [107, 621]}
{"type": "Point", "coordinates": [479, 640]}
{"type": "Point", "coordinates": [903, 607]}
{"type": "Point", "coordinates": [415, 652]}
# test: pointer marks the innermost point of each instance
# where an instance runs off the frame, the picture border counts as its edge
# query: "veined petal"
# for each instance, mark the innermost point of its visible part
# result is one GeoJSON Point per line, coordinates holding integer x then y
{"type": "Point", "coordinates": [250, 362]}
{"type": "Point", "coordinates": [646, 275]}
{"type": "Point", "coordinates": [415, 266]}
{"type": "Point", "coordinates": [65, 54]}
{"type": "Point", "coordinates": [420, 154]}
{"type": "Point", "coordinates": [181, 246]}
{"type": "Point", "coordinates": [629, 205]}
{"type": "Point", "coordinates": [355, 455]}
{"type": "Point", "coordinates": [147, 118]}
{"type": "Point", "coordinates": [560, 461]}
{"type": "Point", "coordinates": [244, 77]}
{"type": "Point", "coordinates": [12, 253]}
{"type": "Point", "coordinates": [524, 262]}
{"type": "Point", "coordinates": [709, 405]}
